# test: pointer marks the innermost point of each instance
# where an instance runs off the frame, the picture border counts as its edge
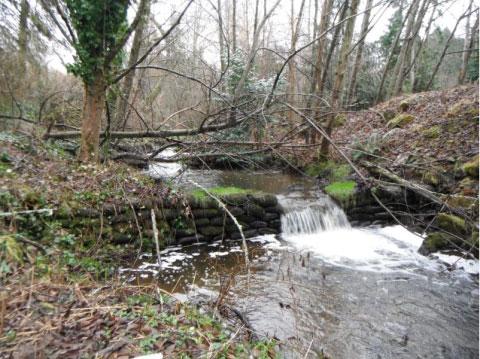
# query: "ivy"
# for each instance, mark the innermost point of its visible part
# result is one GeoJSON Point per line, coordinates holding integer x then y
{"type": "Point", "coordinates": [99, 25]}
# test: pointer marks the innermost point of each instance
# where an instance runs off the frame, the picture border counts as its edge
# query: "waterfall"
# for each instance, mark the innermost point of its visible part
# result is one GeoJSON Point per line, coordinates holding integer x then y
{"type": "Point", "coordinates": [314, 218]}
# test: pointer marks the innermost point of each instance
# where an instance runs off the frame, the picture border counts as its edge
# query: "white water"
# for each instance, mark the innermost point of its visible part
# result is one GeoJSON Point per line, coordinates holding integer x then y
{"type": "Point", "coordinates": [325, 231]}
{"type": "Point", "coordinates": [314, 219]}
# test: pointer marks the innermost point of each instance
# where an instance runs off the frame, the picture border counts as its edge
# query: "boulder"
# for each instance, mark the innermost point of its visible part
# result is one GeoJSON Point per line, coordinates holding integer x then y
{"type": "Point", "coordinates": [471, 168]}
{"type": "Point", "coordinates": [451, 223]}
{"type": "Point", "coordinates": [400, 120]}
{"type": "Point", "coordinates": [435, 242]}
{"type": "Point", "coordinates": [211, 231]}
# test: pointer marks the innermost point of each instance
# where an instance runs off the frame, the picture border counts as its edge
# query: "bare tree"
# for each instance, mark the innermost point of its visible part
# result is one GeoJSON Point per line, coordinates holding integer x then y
{"type": "Point", "coordinates": [359, 54]}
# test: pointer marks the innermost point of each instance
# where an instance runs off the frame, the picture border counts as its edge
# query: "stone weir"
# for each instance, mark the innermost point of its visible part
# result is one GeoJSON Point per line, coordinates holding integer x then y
{"type": "Point", "coordinates": [186, 220]}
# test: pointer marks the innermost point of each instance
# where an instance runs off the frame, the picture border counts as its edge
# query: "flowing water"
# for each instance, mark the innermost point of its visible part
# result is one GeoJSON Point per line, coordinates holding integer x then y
{"type": "Point", "coordinates": [322, 286]}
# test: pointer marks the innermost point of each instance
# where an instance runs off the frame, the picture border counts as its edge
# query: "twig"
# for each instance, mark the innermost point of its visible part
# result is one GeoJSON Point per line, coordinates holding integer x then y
{"type": "Point", "coordinates": [155, 237]}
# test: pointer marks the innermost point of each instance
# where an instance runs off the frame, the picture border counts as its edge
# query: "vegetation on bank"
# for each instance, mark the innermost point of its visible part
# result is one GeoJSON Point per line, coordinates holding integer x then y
{"type": "Point", "coordinates": [60, 271]}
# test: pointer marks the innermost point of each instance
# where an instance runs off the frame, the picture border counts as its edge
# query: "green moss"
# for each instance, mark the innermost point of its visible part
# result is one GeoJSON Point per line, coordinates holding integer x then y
{"type": "Point", "coordinates": [432, 132]}
{"type": "Point", "coordinates": [331, 170]}
{"type": "Point", "coordinates": [339, 121]}
{"type": "Point", "coordinates": [341, 191]}
{"type": "Point", "coordinates": [451, 223]}
{"type": "Point", "coordinates": [435, 241]}
{"type": "Point", "coordinates": [471, 168]}
{"type": "Point", "coordinates": [400, 120]}
{"type": "Point", "coordinates": [431, 178]}
{"type": "Point", "coordinates": [220, 192]}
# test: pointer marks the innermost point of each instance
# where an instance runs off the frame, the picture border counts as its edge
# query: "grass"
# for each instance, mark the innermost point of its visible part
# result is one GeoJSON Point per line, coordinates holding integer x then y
{"type": "Point", "coordinates": [341, 191]}
{"type": "Point", "coordinates": [220, 192]}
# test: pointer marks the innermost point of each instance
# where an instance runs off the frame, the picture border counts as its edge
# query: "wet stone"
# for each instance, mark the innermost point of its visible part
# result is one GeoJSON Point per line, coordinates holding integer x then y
{"type": "Point", "coordinates": [258, 224]}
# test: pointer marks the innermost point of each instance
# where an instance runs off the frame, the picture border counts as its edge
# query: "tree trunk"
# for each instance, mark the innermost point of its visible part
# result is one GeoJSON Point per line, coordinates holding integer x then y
{"type": "Point", "coordinates": [410, 48]}
{"type": "Point", "coordinates": [23, 36]}
{"type": "Point", "coordinates": [126, 88]}
{"type": "Point", "coordinates": [358, 57]}
{"type": "Point", "coordinates": [466, 45]}
{"type": "Point", "coordinates": [390, 55]}
{"type": "Point", "coordinates": [234, 26]}
{"type": "Point", "coordinates": [340, 71]}
{"type": "Point", "coordinates": [400, 65]}
{"type": "Point", "coordinates": [220, 36]}
{"type": "Point", "coordinates": [292, 71]}
{"type": "Point", "coordinates": [324, 24]}
{"type": "Point", "coordinates": [93, 108]}
{"type": "Point", "coordinates": [331, 50]}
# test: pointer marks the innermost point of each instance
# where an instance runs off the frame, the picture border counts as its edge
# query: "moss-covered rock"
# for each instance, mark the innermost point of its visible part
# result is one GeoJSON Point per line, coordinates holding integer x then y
{"type": "Point", "coordinates": [451, 223]}
{"type": "Point", "coordinates": [467, 187]}
{"type": "Point", "coordinates": [471, 168]}
{"type": "Point", "coordinates": [432, 132]}
{"type": "Point", "coordinates": [400, 120]}
{"type": "Point", "coordinates": [467, 108]}
{"type": "Point", "coordinates": [464, 202]}
{"type": "Point", "coordinates": [431, 178]}
{"type": "Point", "coordinates": [341, 191]}
{"type": "Point", "coordinates": [339, 120]}
{"type": "Point", "coordinates": [435, 242]}
{"type": "Point", "coordinates": [388, 115]}
{"type": "Point", "coordinates": [404, 106]}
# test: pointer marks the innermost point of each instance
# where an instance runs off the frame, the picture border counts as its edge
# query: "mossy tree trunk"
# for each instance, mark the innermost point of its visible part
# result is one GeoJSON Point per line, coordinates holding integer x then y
{"type": "Point", "coordinates": [92, 114]}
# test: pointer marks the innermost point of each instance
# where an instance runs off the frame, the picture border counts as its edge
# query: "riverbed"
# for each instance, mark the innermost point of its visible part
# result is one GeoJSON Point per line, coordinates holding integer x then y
{"type": "Point", "coordinates": [323, 286]}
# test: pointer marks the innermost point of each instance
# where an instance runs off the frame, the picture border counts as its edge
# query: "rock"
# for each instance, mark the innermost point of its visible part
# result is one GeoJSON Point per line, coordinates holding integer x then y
{"type": "Point", "coordinates": [248, 234]}
{"type": "Point", "coordinates": [236, 211]}
{"type": "Point", "coordinates": [265, 200]}
{"type": "Point", "coordinates": [275, 209]}
{"type": "Point", "coordinates": [435, 242]}
{"type": "Point", "coordinates": [258, 224]}
{"type": "Point", "coordinates": [467, 108]}
{"type": "Point", "coordinates": [252, 209]}
{"type": "Point", "coordinates": [459, 201]}
{"type": "Point", "coordinates": [431, 178]}
{"type": "Point", "coordinates": [400, 120]}
{"type": "Point", "coordinates": [184, 232]}
{"type": "Point", "coordinates": [191, 239]}
{"type": "Point", "coordinates": [404, 106]}
{"type": "Point", "coordinates": [471, 168]}
{"type": "Point", "coordinates": [389, 114]}
{"type": "Point", "coordinates": [211, 231]}
{"type": "Point", "coordinates": [270, 216]}
{"type": "Point", "coordinates": [432, 132]}
{"type": "Point", "coordinates": [220, 221]}
{"type": "Point", "coordinates": [267, 230]}
{"type": "Point", "coordinates": [201, 222]}
{"type": "Point", "coordinates": [451, 223]}
{"type": "Point", "coordinates": [467, 187]}
{"type": "Point", "coordinates": [206, 213]}
{"type": "Point", "coordinates": [205, 202]}
{"type": "Point", "coordinates": [276, 223]}
{"type": "Point", "coordinates": [339, 121]}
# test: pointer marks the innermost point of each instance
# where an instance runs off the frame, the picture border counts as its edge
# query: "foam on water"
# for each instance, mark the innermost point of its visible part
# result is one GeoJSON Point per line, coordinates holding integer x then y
{"type": "Point", "coordinates": [387, 249]}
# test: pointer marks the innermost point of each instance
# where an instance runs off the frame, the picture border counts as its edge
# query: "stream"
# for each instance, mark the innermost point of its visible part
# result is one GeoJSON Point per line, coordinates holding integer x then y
{"type": "Point", "coordinates": [323, 286]}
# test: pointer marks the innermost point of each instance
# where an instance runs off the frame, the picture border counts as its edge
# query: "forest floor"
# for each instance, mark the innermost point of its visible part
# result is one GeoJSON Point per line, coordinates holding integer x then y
{"type": "Point", "coordinates": [60, 292]}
